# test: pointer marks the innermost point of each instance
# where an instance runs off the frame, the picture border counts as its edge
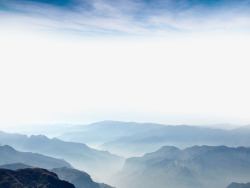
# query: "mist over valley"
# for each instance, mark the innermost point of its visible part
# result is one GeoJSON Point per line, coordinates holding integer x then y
{"type": "Point", "coordinates": [140, 154]}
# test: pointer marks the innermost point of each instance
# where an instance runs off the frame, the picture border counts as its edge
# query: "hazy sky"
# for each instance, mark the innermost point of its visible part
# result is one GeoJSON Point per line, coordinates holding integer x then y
{"type": "Point", "coordinates": [164, 61]}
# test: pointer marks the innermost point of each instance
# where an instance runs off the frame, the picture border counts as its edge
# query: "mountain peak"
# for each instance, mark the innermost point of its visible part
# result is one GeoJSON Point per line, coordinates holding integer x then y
{"type": "Point", "coordinates": [7, 148]}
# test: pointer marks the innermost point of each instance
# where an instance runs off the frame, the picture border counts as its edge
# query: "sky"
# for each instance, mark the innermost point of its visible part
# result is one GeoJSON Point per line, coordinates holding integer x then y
{"type": "Point", "coordinates": [163, 61]}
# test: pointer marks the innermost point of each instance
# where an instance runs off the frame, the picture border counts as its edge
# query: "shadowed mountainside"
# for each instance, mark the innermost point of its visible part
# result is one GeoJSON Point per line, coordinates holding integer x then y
{"type": "Point", "coordinates": [34, 177]}
{"type": "Point", "coordinates": [78, 178]}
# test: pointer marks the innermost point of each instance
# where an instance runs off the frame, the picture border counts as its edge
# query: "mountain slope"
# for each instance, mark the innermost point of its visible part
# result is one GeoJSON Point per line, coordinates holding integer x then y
{"type": "Point", "coordinates": [10, 155]}
{"type": "Point", "coordinates": [195, 167]}
{"type": "Point", "coordinates": [239, 185]}
{"type": "Point", "coordinates": [79, 155]}
{"type": "Point", "coordinates": [31, 178]}
{"type": "Point", "coordinates": [79, 178]}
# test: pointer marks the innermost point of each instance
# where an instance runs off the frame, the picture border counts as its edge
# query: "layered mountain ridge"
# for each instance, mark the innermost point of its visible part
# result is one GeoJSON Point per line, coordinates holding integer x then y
{"type": "Point", "coordinates": [194, 167]}
{"type": "Point", "coordinates": [10, 155]}
{"type": "Point", "coordinates": [78, 155]}
{"type": "Point", "coordinates": [136, 139]}
{"type": "Point", "coordinates": [76, 177]}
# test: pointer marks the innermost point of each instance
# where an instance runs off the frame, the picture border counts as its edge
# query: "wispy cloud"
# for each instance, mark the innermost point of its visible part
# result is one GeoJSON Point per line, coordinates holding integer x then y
{"type": "Point", "coordinates": [134, 17]}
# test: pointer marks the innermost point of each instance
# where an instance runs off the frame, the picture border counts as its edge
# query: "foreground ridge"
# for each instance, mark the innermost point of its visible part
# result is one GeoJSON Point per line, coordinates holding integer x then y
{"type": "Point", "coordinates": [31, 177]}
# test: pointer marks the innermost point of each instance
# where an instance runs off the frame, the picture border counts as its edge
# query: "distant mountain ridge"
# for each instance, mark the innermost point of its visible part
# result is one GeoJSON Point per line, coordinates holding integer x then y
{"type": "Point", "coordinates": [194, 167]}
{"type": "Point", "coordinates": [140, 138]}
{"type": "Point", "coordinates": [10, 155]}
{"type": "Point", "coordinates": [79, 155]}
{"type": "Point", "coordinates": [105, 131]}
{"type": "Point", "coordinates": [15, 166]}
{"type": "Point", "coordinates": [34, 177]}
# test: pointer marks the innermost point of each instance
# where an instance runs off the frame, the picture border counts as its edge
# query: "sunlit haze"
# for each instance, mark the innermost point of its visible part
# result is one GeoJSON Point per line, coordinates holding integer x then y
{"type": "Point", "coordinates": [196, 74]}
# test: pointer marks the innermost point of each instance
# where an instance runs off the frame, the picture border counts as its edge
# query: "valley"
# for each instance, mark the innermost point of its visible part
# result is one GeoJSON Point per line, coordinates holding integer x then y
{"type": "Point", "coordinates": [146, 155]}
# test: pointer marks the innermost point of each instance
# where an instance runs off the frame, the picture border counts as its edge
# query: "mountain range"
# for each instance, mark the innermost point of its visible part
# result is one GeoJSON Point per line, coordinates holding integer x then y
{"type": "Point", "coordinates": [10, 155]}
{"type": "Point", "coordinates": [78, 178]}
{"type": "Point", "coordinates": [78, 155]}
{"type": "Point", "coordinates": [135, 139]}
{"type": "Point", "coordinates": [218, 158]}
{"type": "Point", "coordinates": [194, 167]}
{"type": "Point", "coordinates": [105, 131]}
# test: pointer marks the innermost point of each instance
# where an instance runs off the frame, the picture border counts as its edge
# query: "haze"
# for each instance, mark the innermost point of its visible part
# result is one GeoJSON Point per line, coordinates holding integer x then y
{"type": "Point", "coordinates": [53, 71]}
